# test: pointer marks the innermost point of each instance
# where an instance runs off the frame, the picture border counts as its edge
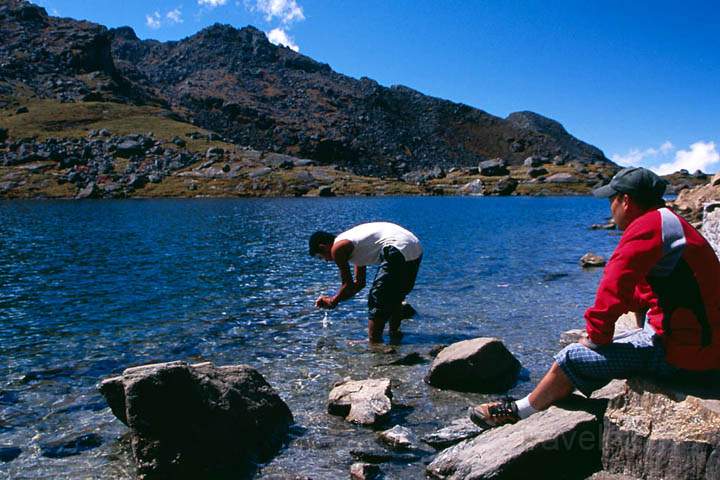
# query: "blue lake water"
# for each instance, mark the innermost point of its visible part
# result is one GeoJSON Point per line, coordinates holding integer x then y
{"type": "Point", "coordinates": [90, 288]}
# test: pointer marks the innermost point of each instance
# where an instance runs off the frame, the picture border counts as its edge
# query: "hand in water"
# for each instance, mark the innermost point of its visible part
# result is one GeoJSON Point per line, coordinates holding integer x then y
{"type": "Point", "coordinates": [324, 302]}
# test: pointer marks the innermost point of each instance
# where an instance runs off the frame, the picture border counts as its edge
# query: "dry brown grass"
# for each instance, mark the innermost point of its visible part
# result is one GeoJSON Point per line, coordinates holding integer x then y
{"type": "Point", "coordinates": [50, 118]}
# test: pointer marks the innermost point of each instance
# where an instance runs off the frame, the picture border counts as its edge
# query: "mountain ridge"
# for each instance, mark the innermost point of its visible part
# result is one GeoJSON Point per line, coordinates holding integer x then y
{"type": "Point", "coordinates": [235, 82]}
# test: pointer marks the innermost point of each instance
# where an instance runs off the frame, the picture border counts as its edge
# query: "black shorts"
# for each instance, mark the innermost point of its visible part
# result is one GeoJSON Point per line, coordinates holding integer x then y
{"type": "Point", "coordinates": [395, 278]}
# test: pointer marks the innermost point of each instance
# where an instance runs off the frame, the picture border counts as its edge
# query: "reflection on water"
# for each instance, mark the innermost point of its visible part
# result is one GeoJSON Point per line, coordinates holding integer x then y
{"type": "Point", "coordinates": [90, 288]}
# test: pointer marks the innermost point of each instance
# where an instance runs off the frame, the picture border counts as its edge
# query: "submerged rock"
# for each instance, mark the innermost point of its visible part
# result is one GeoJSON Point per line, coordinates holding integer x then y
{"type": "Point", "coordinates": [364, 471]}
{"type": "Point", "coordinates": [365, 402]}
{"type": "Point", "coordinates": [459, 430]}
{"type": "Point", "coordinates": [9, 453]}
{"type": "Point", "coordinates": [548, 443]}
{"type": "Point", "coordinates": [195, 421]}
{"type": "Point", "coordinates": [67, 447]}
{"type": "Point", "coordinates": [382, 456]}
{"type": "Point", "coordinates": [477, 365]}
{"type": "Point", "coordinates": [590, 260]}
{"type": "Point", "coordinates": [413, 358]}
{"type": "Point", "coordinates": [398, 437]}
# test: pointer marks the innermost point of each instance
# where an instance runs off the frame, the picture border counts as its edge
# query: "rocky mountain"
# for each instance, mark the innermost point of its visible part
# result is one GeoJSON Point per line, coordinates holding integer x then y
{"type": "Point", "coordinates": [253, 93]}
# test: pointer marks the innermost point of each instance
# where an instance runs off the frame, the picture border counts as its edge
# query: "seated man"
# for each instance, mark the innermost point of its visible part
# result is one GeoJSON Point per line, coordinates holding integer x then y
{"type": "Point", "coordinates": [664, 270]}
{"type": "Point", "coordinates": [396, 250]}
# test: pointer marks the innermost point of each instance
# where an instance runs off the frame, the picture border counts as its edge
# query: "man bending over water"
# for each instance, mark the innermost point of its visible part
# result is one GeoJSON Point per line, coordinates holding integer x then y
{"type": "Point", "coordinates": [663, 270]}
{"type": "Point", "coordinates": [398, 254]}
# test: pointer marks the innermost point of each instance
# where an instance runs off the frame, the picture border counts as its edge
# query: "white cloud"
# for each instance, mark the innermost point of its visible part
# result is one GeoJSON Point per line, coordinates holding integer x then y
{"type": "Point", "coordinates": [636, 156]}
{"type": "Point", "coordinates": [153, 20]}
{"type": "Point", "coordinates": [211, 3]}
{"type": "Point", "coordinates": [174, 16]}
{"type": "Point", "coordinates": [277, 36]}
{"type": "Point", "coordinates": [286, 10]}
{"type": "Point", "coordinates": [701, 156]}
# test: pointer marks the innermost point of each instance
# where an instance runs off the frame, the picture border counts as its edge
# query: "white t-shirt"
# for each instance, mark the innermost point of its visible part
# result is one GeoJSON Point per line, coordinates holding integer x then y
{"type": "Point", "coordinates": [370, 238]}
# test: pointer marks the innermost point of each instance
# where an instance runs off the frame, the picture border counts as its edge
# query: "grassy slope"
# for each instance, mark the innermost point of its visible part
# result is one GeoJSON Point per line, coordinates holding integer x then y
{"type": "Point", "coordinates": [50, 118]}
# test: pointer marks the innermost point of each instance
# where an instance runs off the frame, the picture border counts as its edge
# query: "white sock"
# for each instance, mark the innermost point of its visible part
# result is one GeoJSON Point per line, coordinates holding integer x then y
{"type": "Point", "coordinates": [524, 407]}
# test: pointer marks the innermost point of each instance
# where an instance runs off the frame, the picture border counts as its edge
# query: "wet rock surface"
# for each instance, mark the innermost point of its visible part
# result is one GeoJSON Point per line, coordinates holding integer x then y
{"type": "Point", "coordinates": [398, 438]}
{"type": "Point", "coordinates": [459, 430]}
{"type": "Point", "coordinates": [364, 471]}
{"type": "Point", "coordinates": [477, 365]}
{"type": "Point", "coordinates": [538, 444]}
{"type": "Point", "coordinates": [195, 420]}
{"type": "Point", "coordinates": [365, 402]}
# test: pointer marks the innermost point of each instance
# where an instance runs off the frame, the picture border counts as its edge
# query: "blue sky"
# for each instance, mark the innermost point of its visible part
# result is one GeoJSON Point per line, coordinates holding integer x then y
{"type": "Point", "coordinates": [640, 80]}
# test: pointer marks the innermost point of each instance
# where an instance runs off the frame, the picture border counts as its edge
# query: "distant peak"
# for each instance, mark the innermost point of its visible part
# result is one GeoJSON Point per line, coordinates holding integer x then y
{"type": "Point", "coordinates": [126, 33]}
{"type": "Point", "coordinates": [534, 121]}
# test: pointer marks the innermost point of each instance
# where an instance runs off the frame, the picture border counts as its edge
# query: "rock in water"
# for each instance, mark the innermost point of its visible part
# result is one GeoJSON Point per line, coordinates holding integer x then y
{"type": "Point", "coordinates": [456, 432]}
{"type": "Point", "coordinates": [477, 365]}
{"type": "Point", "coordinates": [196, 421]}
{"type": "Point", "coordinates": [365, 402]}
{"type": "Point", "coordinates": [660, 432]}
{"type": "Point", "coordinates": [556, 443]}
{"type": "Point", "coordinates": [364, 471]}
{"type": "Point", "coordinates": [69, 446]}
{"type": "Point", "coordinates": [592, 260]}
{"type": "Point", "coordinates": [398, 437]}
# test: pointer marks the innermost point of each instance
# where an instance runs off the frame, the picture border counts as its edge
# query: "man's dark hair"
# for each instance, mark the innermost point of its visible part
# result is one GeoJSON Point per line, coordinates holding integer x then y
{"type": "Point", "coordinates": [648, 202]}
{"type": "Point", "coordinates": [318, 238]}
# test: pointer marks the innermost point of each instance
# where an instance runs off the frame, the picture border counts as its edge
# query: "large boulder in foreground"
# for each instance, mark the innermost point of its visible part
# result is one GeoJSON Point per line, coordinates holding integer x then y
{"type": "Point", "coordinates": [198, 421]}
{"type": "Point", "coordinates": [365, 402]}
{"type": "Point", "coordinates": [555, 443]}
{"type": "Point", "coordinates": [657, 432]}
{"type": "Point", "coordinates": [476, 365]}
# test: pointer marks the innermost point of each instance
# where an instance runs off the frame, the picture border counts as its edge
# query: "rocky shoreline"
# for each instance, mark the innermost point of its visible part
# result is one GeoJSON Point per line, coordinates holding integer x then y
{"type": "Point", "coordinates": [198, 163]}
{"type": "Point", "coordinates": [631, 429]}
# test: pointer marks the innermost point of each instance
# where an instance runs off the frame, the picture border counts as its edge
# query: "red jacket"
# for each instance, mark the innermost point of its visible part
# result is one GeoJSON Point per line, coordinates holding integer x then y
{"type": "Point", "coordinates": [664, 265]}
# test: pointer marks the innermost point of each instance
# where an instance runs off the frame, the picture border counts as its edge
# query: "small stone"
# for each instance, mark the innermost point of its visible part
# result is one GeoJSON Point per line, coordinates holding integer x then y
{"type": "Point", "coordinates": [364, 471]}
{"type": "Point", "coordinates": [459, 430]}
{"type": "Point", "coordinates": [590, 260]}
{"type": "Point", "coordinates": [398, 437]}
{"type": "Point", "coordinates": [365, 402]}
{"type": "Point", "coordinates": [326, 191]}
{"type": "Point", "coordinates": [561, 178]}
{"type": "Point", "coordinates": [260, 172]}
{"type": "Point", "coordinates": [475, 187]}
{"type": "Point", "coordinates": [21, 110]}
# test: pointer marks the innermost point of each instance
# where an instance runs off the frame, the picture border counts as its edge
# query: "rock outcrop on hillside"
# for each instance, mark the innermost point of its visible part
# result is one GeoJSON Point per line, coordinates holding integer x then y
{"type": "Point", "coordinates": [235, 82]}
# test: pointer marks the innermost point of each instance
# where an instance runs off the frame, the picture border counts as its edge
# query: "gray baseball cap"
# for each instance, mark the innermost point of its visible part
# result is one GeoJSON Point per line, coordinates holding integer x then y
{"type": "Point", "coordinates": [635, 181]}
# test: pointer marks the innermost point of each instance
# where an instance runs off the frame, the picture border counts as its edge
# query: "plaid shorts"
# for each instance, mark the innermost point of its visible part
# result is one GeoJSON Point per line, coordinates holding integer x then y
{"type": "Point", "coordinates": [634, 353]}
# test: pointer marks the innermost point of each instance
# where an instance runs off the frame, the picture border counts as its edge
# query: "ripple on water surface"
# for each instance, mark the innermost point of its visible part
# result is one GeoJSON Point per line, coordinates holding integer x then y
{"type": "Point", "coordinates": [89, 288]}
